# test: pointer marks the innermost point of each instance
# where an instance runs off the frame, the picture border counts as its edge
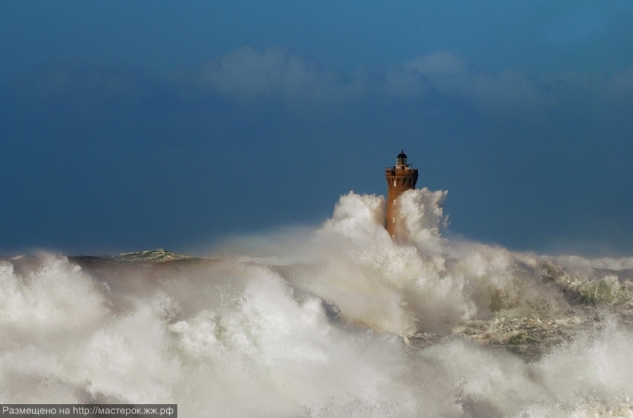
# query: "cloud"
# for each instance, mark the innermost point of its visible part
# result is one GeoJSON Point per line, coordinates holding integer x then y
{"type": "Point", "coordinates": [492, 93]}
{"type": "Point", "coordinates": [402, 82]}
{"type": "Point", "coordinates": [250, 74]}
{"type": "Point", "coordinates": [437, 63]}
{"type": "Point", "coordinates": [82, 83]}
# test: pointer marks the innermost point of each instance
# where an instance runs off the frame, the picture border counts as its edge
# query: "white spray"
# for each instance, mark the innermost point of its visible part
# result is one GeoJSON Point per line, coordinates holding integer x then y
{"type": "Point", "coordinates": [318, 327]}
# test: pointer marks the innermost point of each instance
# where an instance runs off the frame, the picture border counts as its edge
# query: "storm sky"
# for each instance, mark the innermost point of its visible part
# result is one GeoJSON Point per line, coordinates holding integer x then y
{"type": "Point", "coordinates": [129, 125]}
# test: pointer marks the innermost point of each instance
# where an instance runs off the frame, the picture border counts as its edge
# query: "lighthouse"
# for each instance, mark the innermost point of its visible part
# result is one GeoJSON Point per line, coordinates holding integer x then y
{"type": "Point", "coordinates": [400, 178]}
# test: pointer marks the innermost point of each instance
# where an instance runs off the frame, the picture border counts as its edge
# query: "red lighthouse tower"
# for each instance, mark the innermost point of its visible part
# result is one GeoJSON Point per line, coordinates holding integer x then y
{"type": "Point", "coordinates": [400, 178]}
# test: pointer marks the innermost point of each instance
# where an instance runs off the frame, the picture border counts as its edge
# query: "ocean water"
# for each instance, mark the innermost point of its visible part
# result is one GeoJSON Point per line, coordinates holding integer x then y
{"type": "Point", "coordinates": [334, 321]}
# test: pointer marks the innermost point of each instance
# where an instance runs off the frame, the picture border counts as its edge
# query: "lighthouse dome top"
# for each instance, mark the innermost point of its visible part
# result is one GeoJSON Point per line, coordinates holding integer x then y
{"type": "Point", "coordinates": [401, 159]}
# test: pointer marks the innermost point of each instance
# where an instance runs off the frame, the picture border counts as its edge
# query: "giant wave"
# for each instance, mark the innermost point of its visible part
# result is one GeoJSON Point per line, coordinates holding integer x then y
{"type": "Point", "coordinates": [335, 321]}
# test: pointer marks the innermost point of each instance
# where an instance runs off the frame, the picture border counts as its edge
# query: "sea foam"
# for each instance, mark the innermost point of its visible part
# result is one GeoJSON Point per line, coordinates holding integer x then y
{"type": "Point", "coordinates": [325, 322]}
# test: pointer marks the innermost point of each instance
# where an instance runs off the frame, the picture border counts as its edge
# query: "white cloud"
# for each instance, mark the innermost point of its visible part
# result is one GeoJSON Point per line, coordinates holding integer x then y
{"type": "Point", "coordinates": [494, 94]}
{"type": "Point", "coordinates": [248, 74]}
{"type": "Point", "coordinates": [502, 92]}
{"type": "Point", "coordinates": [402, 82]}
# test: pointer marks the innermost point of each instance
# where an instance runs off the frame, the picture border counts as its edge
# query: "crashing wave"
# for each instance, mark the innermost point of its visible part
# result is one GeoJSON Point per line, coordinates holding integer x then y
{"type": "Point", "coordinates": [340, 321]}
{"type": "Point", "coordinates": [158, 255]}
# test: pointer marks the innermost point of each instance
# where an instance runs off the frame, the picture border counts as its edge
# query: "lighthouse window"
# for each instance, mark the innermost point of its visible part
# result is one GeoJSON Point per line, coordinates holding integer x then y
{"type": "Point", "coordinates": [394, 182]}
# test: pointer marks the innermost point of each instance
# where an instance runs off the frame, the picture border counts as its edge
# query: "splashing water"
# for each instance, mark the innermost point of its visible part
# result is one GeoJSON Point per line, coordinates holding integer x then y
{"type": "Point", "coordinates": [341, 321]}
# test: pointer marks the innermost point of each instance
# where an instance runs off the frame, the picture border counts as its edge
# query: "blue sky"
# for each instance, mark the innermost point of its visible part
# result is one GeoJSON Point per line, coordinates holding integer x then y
{"type": "Point", "coordinates": [133, 125]}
